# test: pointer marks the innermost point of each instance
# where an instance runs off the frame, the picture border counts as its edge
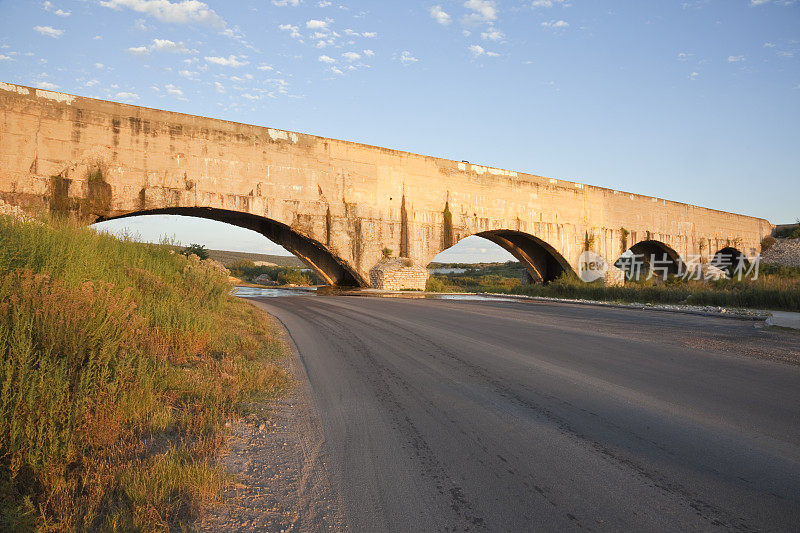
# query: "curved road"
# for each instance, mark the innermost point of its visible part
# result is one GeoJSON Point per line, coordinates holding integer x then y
{"type": "Point", "coordinates": [444, 415]}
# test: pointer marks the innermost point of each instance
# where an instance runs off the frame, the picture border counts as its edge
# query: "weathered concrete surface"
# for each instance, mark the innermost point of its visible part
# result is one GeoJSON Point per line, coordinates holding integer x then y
{"type": "Point", "coordinates": [336, 204]}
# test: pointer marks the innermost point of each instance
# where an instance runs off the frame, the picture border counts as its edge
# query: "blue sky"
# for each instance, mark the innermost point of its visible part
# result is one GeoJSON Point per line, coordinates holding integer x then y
{"type": "Point", "coordinates": [696, 101]}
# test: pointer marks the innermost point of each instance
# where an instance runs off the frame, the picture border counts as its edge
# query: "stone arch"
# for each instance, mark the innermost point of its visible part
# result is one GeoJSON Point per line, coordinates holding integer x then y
{"type": "Point", "coordinates": [543, 262]}
{"type": "Point", "coordinates": [652, 253]}
{"type": "Point", "coordinates": [728, 258]}
{"type": "Point", "coordinates": [328, 266]}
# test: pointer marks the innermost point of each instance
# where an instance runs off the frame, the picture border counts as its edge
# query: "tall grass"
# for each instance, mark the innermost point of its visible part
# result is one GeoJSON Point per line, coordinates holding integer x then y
{"type": "Point", "coordinates": [121, 363]}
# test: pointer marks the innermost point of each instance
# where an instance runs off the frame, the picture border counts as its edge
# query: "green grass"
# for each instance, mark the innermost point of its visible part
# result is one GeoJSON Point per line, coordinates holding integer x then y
{"type": "Point", "coordinates": [776, 288]}
{"type": "Point", "coordinates": [121, 364]}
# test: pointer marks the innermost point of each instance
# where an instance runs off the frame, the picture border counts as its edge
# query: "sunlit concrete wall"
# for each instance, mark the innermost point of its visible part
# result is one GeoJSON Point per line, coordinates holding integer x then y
{"type": "Point", "coordinates": [106, 159]}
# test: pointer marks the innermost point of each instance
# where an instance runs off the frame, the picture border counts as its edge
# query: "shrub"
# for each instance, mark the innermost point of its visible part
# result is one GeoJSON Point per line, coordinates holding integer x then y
{"type": "Point", "coordinates": [436, 284]}
{"type": "Point", "coordinates": [197, 249]}
{"type": "Point", "coordinates": [789, 232]}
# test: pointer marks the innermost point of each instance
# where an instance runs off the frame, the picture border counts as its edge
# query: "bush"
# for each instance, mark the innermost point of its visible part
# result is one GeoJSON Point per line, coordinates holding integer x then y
{"type": "Point", "coordinates": [436, 284]}
{"type": "Point", "coordinates": [293, 276]}
{"type": "Point", "coordinates": [197, 249]}
{"type": "Point", "coordinates": [789, 232]}
{"type": "Point", "coordinates": [248, 271]}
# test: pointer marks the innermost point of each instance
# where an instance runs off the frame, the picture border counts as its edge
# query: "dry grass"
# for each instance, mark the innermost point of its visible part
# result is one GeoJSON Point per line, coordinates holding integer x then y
{"type": "Point", "coordinates": [121, 364]}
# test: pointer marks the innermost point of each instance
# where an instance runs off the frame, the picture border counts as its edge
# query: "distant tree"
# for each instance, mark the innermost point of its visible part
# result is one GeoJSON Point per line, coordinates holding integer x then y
{"type": "Point", "coordinates": [293, 276]}
{"type": "Point", "coordinates": [197, 249]}
{"type": "Point", "coordinates": [387, 252]}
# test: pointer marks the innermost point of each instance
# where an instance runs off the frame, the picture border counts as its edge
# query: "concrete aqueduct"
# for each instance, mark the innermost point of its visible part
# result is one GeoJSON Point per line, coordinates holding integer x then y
{"type": "Point", "coordinates": [335, 204]}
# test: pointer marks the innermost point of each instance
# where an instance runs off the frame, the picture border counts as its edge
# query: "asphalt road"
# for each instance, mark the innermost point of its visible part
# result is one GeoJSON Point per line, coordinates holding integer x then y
{"type": "Point", "coordinates": [505, 416]}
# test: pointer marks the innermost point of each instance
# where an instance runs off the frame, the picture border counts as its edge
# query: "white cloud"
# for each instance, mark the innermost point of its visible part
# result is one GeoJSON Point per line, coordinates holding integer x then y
{"type": "Point", "coordinates": [316, 24]}
{"type": "Point", "coordinates": [91, 83]}
{"type": "Point", "coordinates": [735, 59]}
{"type": "Point", "coordinates": [556, 24]}
{"type": "Point", "coordinates": [546, 3]}
{"type": "Point", "coordinates": [4, 57]}
{"type": "Point", "coordinates": [47, 85]}
{"type": "Point", "coordinates": [165, 45]}
{"type": "Point", "coordinates": [369, 53]}
{"type": "Point", "coordinates": [758, 2]}
{"type": "Point", "coordinates": [482, 11]}
{"type": "Point", "coordinates": [251, 96]}
{"type": "Point", "coordinates": [99, 65]}
{"type": "Point", "coordinates": [293, 30]}
{"type": "Point", "coordinates": [327, 59]}
{"type": "Point", "coordinates": [282, 3]}
{"type": "Point", "coordinates": [48, 6]}
{"type": "Point", "coordinates": [264, 67]}
{"type": "Point", "coordinates": [49, 31]}
{"type": "Point", "coordinates": [162, 45]}
{"type": "Point", "coordinates": [477, 50]}
{"type": "Point", "coordinates": [493, 35]}
{"type": "Point", "coordinates": [439, 15]}
{"type": "Point", "coordinates": [230, 61]}
{"type": "Point", "coordinates": [324, 4]}
{"type": "Point", "coordinates": [694, 75]}
{"type": "Point", "coordinates": [369, 34]}
{"type": "Point", "coordinates": [351, 56]}
{"type": "Point", "coordinates": [683, 56]}
{"type": "Point", "coordinates": [769, 45]}
{"type": "Point", "coordinates": [406, 58]}
{"type": "Point", "coordinates": [219, 87]}
{"type": "Point", "coordinates": [183, 12]}
{"type": "Point", "coordinates": [127, 96]}
{"type": "Point", "coordinates": [138, 50]}
{"type": "Point", "coordinates": [174, 91]}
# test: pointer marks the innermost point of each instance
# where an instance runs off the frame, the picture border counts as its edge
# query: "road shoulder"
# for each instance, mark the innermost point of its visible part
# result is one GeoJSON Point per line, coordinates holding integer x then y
{"type": "Point", "coordinates": [281, 477]}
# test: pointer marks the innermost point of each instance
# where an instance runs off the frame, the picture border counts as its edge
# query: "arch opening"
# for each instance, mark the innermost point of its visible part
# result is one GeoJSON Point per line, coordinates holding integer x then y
{"type": "Point", "coordinates": [328, 267]}
{"type": "Point", "coordinates": [649, 258]}
{"type": "Point", "coordinates": [728, 259]}
{"type": "Point", "coordinates": [542, 262]}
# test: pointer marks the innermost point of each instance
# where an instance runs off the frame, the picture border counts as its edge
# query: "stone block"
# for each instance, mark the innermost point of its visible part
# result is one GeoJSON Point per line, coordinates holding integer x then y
{"type": "Point", "coordinates": [398, 273]}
